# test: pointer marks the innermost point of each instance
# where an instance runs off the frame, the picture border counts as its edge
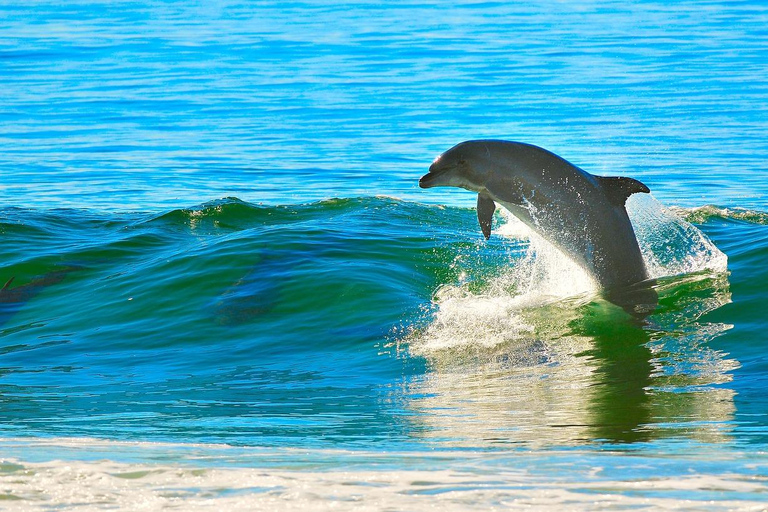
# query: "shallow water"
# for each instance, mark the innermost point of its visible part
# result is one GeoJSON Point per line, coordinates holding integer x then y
{"type": "Point", "coordinates": [228, 288]}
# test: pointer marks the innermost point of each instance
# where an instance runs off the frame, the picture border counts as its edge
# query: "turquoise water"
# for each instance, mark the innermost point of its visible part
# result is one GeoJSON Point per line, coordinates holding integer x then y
{"type": "Point", "coordinates": [227, 283]}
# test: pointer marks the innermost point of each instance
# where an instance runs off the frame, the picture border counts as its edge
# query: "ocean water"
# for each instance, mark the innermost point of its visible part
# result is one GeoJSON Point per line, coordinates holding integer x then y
{"type": "Point", "coordinates": [225, 289]}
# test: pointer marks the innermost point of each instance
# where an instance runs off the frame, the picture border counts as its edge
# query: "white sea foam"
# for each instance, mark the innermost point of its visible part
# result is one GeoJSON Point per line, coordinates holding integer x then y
{"type": "Point", "coordinates": [471, 484]}
{"type": "Point", "coordinates": [543, 276]}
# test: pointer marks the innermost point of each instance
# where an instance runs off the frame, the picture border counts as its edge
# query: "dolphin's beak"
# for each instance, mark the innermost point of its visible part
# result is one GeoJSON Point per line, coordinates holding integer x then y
{"type": "Point", "coordinates": [425, 181]}
{"type": "Point", "coordinates": [428, 180]}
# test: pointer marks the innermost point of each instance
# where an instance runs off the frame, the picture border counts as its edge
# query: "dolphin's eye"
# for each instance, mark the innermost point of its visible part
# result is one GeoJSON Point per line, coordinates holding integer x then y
{"type": "Point", "coordinates": [462, 161]}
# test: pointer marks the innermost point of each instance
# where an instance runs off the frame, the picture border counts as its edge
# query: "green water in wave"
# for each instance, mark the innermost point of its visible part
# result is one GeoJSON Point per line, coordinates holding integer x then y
{"type": "Point", "coordinates": [321, 324]}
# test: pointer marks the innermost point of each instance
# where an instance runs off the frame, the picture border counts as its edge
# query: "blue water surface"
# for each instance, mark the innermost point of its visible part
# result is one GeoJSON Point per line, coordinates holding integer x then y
{"type": "Point", "coordinates": [126, 105]}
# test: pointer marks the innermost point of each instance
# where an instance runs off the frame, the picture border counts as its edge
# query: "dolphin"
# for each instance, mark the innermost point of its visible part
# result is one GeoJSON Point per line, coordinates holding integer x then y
{"type": "Point", "coordinates": [580, 213]}
{"type": "Point", "coordinates": [12, 299]}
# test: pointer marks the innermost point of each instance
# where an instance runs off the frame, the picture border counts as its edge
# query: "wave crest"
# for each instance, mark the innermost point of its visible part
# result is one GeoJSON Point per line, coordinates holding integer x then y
{"type": "Point", "coordinates": [707, 213]}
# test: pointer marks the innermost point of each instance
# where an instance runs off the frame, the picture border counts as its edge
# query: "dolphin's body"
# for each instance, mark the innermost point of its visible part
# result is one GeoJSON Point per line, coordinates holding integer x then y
{"type": "Point", "coordinates": [13, 299]}
{"type": "Point", "coordinates": [582, 214]}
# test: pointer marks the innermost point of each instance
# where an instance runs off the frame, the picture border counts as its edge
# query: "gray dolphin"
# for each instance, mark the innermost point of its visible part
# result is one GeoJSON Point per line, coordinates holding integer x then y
{"type": "Point", "coordinates": [582, 214]}
{"type": "Point", "coordinates": [13, 299]}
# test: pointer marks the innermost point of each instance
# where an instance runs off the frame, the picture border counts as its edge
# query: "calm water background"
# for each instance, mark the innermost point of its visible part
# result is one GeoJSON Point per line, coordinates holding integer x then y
{"type": "Point", "coordinates": [211, 214]}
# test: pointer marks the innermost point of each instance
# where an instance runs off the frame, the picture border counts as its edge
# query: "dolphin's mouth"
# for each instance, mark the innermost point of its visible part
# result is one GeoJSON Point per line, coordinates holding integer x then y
{"type": "Point", "coordinates": [428, 180]}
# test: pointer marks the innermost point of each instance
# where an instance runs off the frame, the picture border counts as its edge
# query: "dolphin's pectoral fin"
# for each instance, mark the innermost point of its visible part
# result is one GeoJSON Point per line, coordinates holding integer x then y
{"type": "Point", "coordinates": [485, 209]}
{"type": "Point", "coordinates": [618, 189]}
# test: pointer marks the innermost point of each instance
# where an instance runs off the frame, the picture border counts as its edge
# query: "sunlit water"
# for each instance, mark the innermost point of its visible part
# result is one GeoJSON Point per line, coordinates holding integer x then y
{"type": "Point", "coordinates": [226, 290]}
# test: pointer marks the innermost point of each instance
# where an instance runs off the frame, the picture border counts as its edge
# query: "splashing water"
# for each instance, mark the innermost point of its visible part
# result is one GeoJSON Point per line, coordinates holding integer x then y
{"type": "Point", "coordinates": [545, 277]}
{"type": "Point", "coordinates": [670, 245]}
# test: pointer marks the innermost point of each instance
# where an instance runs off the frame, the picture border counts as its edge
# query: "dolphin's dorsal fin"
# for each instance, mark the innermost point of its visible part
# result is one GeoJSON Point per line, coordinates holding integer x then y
{"type": "Point", "coordinates": [618, 189]}
{"type": "Point", "coordinates": [7, 284]}
{"type": "Point", "coordinates": [485, 209]}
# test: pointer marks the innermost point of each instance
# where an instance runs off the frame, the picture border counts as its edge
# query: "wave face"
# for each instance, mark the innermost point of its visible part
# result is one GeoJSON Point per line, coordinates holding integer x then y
{"type": "Point", "coordinates": [364, 324]}
{"type": "Point", "coordinates": [234, 322]}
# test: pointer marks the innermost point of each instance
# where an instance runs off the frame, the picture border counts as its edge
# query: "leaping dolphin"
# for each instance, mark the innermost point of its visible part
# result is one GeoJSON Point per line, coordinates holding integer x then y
{"type": "Point", "coordinates": [582, 214]}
